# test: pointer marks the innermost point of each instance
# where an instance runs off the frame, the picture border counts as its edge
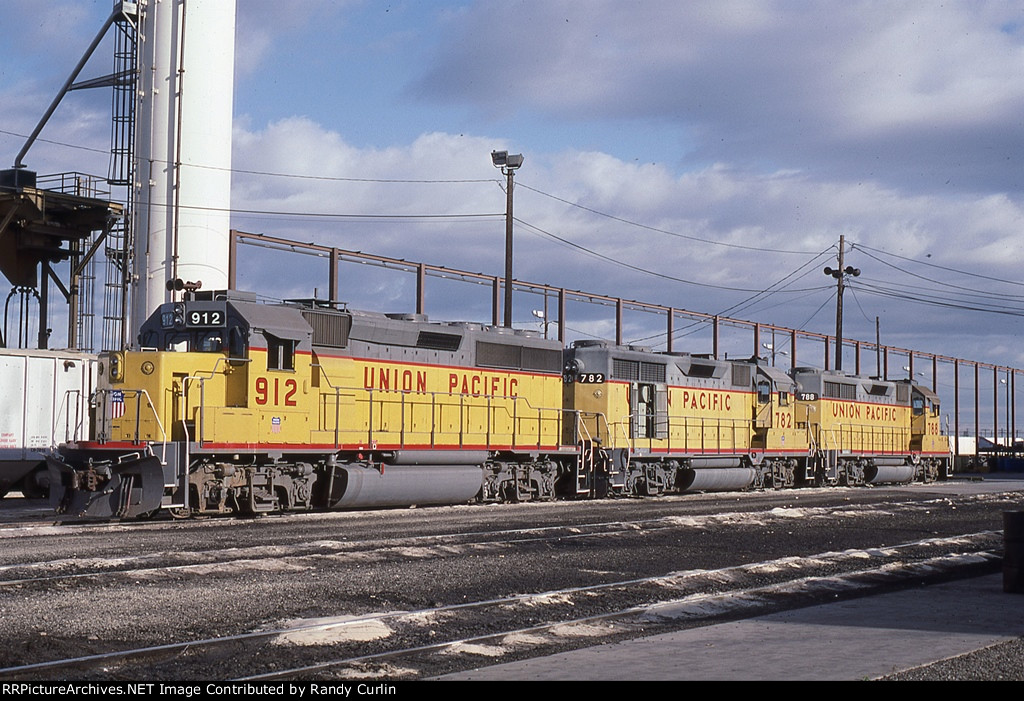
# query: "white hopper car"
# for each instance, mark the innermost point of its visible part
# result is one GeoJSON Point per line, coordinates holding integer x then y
{"type": "Point", "coordinates": [44, 401]}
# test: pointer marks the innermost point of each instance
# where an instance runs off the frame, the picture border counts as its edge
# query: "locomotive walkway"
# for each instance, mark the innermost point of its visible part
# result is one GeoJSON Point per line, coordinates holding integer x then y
{"type": "Point", "coordinates": [858, 639]}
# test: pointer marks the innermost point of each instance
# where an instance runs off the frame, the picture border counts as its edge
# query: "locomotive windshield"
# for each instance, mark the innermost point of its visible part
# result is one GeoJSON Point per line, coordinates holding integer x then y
{"type": "Point", "coordinates": [201, 342]}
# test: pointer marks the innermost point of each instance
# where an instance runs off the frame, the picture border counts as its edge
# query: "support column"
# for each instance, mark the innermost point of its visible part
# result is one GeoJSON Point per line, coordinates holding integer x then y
{"type": "Point", "coordinates": [561, 315]}
{"type": "Point", "coordinates": [618, 321]}
{"type": "Point", "coordinates": [995, 405]}
{"type": "Point", "coordinates": [421, 282]}
{"type": "Point", "coordinates": [496, 302]}
{"type": "Point", "coordinates": [977, 412]}
{"type": "Point", "coordinates": [43, 337]}
{"type": "Point", "coordinates": [956, 407]}
{"type": "Point", "coordinates": [670, 329]}
{"type": "Point", "coordinates": [333, 289]}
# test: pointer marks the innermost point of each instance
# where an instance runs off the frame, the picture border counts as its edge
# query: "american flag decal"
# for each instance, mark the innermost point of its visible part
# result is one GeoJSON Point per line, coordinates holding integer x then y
{"type": "Point", "coordinates": [116, 404]}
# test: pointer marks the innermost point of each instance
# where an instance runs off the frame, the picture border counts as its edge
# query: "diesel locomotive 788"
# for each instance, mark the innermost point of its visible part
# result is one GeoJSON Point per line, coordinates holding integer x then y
{"type": "Point", "coordinates": [234, 405]}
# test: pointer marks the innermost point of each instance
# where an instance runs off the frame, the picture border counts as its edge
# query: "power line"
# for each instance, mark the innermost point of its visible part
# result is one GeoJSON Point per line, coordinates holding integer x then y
{"type": "Point", "coordinates": [864, 249]}
{"type": "Point", "coordinates": [660, 231]}
{"type": "Point", "coordinates": [332, 215]}
{"type": "Point", "coordinates": [914, 289]}
{"type": "Point", "coordinates": [919, 277]}
{"type": "Point", "coordinates": [1008, 311]}
{"type": "Point", "coordinates": [938, 296]}
{"type": "Point", "coordinates": [767, 292]}
{"type": "Point", "coordinates": [811, 317]}
{"type": "Point", "coordinates": [58, 143]}
{"type": "Point", "coordinates": [857, 300]}
{"type": "Point", "coordinates": [295, 176]}
{"type": "Point", "coordinates": [629, 266]}
{"type": "Point", "coordinates": [329, 178]}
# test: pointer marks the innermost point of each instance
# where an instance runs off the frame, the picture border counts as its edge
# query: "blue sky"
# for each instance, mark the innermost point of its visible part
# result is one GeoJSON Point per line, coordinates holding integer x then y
{"type": "Point", "coordinates": [725, 143]}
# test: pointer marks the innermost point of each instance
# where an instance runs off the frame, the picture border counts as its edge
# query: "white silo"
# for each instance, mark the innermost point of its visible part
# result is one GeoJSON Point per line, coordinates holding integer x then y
{"type": "Point", "coordinates": [183, 149]}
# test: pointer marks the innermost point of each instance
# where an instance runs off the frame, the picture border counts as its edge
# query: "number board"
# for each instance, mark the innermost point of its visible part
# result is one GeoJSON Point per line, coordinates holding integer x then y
{"type": "Point", "coordinates": [205, 316]}
{"type": "Point", "coordinates": [590, 378]}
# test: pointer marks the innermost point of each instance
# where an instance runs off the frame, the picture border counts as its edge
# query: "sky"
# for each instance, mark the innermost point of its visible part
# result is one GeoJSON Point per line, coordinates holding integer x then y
{"type": "Point", "coordinates": [702, 155]}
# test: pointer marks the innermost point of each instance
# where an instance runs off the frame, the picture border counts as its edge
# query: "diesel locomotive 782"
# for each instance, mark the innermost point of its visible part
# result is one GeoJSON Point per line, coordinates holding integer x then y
{"type": "Point", "coordinates": [232, 405]}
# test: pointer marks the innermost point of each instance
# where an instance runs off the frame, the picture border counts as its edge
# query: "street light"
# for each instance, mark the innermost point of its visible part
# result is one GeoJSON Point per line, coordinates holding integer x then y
{"type": "Point", "coordinates": [542, 315]}
{"type": "Point", "coordinates": [774, 352]}
{"type": "Point", "coordinates": [508, 163]}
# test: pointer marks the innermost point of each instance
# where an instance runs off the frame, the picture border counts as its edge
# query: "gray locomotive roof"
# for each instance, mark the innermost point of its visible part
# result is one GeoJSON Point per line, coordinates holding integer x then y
{"type": "Point", "coordinates": [929, 395]}
{"type": "Point", "coordinates": [777, 376]}
{"type": "Point", "coordinates": [405, 330]}
{"type": "Point", "coordinates": [283, 322]}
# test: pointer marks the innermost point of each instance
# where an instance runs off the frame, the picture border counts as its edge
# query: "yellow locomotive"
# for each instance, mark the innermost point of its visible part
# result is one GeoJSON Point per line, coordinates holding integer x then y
{"type": "Point", "coordinates": [234, 405]}
{"type": "Point", "coordinates": [866, 430]}
{"type": "Point", "coordinates": [671, 422]}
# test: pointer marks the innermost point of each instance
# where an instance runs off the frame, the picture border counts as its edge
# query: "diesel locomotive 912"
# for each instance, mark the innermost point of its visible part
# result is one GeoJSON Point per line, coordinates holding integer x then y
{"type": "Point", "coordinates": [237, 406]}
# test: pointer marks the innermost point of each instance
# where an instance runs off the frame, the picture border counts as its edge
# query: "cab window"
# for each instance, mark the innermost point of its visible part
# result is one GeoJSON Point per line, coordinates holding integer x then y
{"type": "Point", "coordinates": [237, 345]}
{"type": "Point", "coordinates": [280, 353]}
{"type": "Point", "coordinates": [211, 342]}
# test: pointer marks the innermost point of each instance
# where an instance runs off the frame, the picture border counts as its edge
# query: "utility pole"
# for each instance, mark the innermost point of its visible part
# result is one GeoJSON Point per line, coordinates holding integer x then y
{"type": "Point", "coordinates": [878, 348]}
{"type": "Point", "coordinates": [840, 276]}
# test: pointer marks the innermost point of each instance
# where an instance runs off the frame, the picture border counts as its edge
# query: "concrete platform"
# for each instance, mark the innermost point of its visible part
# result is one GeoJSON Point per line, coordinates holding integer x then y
{"type": "Point", "coordinates": [850, 640]}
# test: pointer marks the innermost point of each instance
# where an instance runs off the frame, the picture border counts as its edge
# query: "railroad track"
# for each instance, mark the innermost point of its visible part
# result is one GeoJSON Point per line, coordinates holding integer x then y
{"type": "Point", "coordinates": [428, 641]}
{"type": "Point", "coordinates": [175, 564]}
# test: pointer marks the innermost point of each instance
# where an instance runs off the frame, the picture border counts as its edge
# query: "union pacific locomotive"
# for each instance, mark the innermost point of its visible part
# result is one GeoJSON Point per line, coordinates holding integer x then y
{"type": "Point", "coordinates": [233, 405]}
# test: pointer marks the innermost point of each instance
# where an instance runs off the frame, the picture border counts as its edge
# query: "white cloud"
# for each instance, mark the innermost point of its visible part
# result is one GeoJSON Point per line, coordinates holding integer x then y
{"type": "Point", "coordinates": [905, 93]}
{"type": "Point", "coordinates": [787, 124]}
{"type": "Point", "coordinates": [780, 211]}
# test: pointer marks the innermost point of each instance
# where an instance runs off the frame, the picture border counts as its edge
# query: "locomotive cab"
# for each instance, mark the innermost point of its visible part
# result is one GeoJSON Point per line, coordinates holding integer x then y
{"type": "Point", "coordinates": [775, 426]}
{"type": "Point", "coordinates": [207, 369]}
{"type": "Point", "coordinates": [926, 437]}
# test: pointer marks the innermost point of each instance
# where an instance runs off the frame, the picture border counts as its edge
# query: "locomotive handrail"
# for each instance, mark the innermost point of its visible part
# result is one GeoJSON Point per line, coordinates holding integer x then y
{"type": "Point", "coordinates": [597, 417]}
{"type": "Point", "coordinates": [202, 393]}
{"type": "Point", "coordinates": [374, 397]}
{"type": "Point", "coordinates": [464, 411]}
{"type": "Point", "coordinates": [812, 443]}
{"type": "Point", "coordinates": [584, 475]}
{"type": "Point", "coordinates": [862, 438]}
{"type": "Point", "coordinates": [717, 424]}
{"type": "Point", "coordinates": [137, 394]}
